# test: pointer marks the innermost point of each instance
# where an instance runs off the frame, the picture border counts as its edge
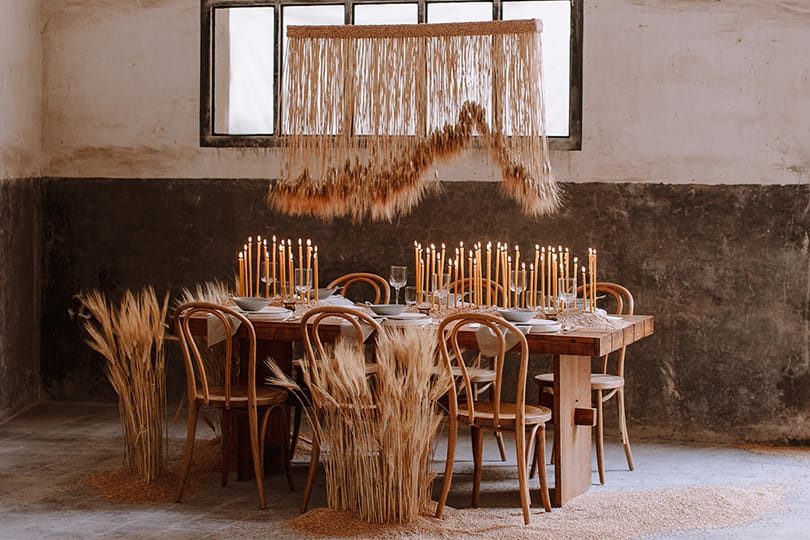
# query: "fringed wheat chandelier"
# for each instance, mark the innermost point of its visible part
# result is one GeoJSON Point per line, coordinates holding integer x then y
{"type": "Point", "coordinates": [369, 109]}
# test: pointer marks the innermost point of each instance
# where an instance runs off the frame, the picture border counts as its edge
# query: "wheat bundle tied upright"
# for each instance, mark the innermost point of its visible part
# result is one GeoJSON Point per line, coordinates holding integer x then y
{"type": "Point", "coordinates": [377, 438]}
{"type": "Point", "coordinates": [130, 338]}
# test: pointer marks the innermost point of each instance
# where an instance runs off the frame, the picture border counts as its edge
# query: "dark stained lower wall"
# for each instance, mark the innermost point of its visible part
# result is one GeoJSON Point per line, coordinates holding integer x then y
{"type": "Point", "coordinates": [19, 295]}
{"type": "Point", "coordinates": [723, 268]}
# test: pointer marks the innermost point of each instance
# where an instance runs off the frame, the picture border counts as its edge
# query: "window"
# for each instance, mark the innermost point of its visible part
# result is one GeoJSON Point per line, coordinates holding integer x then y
{"type": "Point", "coordinates": [243, 47]}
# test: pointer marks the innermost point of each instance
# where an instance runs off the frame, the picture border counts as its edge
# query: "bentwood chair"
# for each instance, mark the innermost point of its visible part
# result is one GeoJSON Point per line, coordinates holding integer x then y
{"type": "Point", "coordinates": [482, 377]}
{"type": "Point", "coordinates": [317, 352]}
{"type": "Point", "coordinates": [231, 397]}
{"type": "Point", "coordinates": [606, 383]}
{"type": "Point", "coordinates": [382, 291]}
{"type": "Point", "coordinates": [494, 415]}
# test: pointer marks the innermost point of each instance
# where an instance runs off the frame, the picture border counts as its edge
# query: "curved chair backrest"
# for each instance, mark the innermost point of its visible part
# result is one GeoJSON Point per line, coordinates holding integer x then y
{"type": "Point", "coordinates": [312, 319]}
{"type": "Point", "coordinates": [382, 291]}
{"type": "Point", "coordinates": [625, 305]}
{"type": "Point", "coordinates": [496, 288]}
{"type": "Point", "coordinates": [449, 334]}
{"type": "Point", "coordinates": [192, 357]}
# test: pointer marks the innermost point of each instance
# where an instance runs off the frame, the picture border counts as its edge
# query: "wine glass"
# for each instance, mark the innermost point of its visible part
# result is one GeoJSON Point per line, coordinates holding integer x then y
{"type": "Point", "coordinates": [517, 284]}
{"type": "Point", "coordinates": [398, 278]}
{"type": "Point", "coordinates": [303, 281]}
{"type": "Point", "coordinates": [567, 291]}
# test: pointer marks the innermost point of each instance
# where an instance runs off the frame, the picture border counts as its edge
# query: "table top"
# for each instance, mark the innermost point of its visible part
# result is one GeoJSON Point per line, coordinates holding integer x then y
{"type": "Point", "coordinates": [584, 342]}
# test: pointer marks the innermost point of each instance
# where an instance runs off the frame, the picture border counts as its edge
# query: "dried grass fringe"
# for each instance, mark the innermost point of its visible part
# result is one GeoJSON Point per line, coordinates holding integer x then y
{"type": "Point", "coordinates": [377, 438]}
{"type": "Point", "coordinates": [362, 136]}
{"type": "Point", "coordinates": [130, 338]}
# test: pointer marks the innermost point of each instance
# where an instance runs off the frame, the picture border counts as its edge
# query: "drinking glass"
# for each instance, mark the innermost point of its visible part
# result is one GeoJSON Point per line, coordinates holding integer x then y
{"type": "Point", "coordinates": [517, 284]}
{"type": "Point", "coordinates": [303, 281]}
{"type": "Point", "coordinates": [441, 286]}
{"type": "Point", "coordinates": [410, 295]}
{"type": "Point", "coordinates": [567, 291]}
{"type": "Point", "coordinates": [398, 278]}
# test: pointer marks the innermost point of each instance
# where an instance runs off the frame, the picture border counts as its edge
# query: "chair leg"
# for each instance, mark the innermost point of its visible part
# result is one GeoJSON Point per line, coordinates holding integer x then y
{"type": "Point", "coordinates": [600, 437]}
{"type": "Point", "coordinates": [297, 413]}
{"type": "Point", "coordinates": [628, 454]}
{"type": "Point", "coordinates": [540, 457]}
{"type": "Point", "coordinates": [501, 445]}
{"type": "Point", "coordinates": [452, 435]}
{"type": "Point", "coordinates": [191, 433]}
{"type": "Point", "coordinates": [258, 466]}
{"type": "Point", "coordinates": [312, 474]}
{"type": "Point", "coordinates": [523, 480]}
{"type": "Point", "coordinates": [477, 436]}
{"type": "Point", "coordinates": [226, 445]}
{"type": "Point", "coordinates": [286, 456]}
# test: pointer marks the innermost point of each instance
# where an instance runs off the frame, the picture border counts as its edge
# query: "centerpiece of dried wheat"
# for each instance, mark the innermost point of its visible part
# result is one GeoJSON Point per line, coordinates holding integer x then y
{"type": "Point", "coordinates": [130, 338]}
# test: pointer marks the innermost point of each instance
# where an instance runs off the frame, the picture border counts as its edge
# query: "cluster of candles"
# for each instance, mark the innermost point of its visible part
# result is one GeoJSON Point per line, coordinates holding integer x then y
{"type": "Point", "coordinates": [270, 269]}
{"type": "Point", "coordinates": [478, 273]}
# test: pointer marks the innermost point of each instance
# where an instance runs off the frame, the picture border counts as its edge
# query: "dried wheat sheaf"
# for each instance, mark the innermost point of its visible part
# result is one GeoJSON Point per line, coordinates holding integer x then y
{"type": "Point", "coordinates": [377, 436]}
{"type": "Point", "coordinates": [130, 338]}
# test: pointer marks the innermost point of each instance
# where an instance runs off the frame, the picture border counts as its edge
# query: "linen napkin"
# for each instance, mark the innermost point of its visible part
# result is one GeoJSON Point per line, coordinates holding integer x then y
{"type": "Point", "coordinates": [215, 330]}
{"type": "Point", "coordinates": [488, 341]}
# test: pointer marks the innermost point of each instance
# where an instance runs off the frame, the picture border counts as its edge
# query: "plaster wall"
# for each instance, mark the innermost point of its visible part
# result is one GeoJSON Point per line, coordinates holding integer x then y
{"type": "Point", "coordinates": [20, 144]}
{"type": "Point", "coordinates": [20, 88]}
{"type": "Point", "coordinates": [674, 92]}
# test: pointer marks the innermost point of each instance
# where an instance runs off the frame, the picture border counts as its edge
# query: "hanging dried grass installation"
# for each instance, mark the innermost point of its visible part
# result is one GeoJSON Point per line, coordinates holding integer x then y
{"type": "Point", "coordinates": [368, 109]}
{"type": "Point", "coordinates": [130, 338]}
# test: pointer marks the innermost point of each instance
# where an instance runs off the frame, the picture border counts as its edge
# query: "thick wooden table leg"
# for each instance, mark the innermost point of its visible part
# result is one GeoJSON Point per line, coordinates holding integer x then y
{"type": "Point", "coordinates": [572, 442]}
{"type": "Point", "coordinates": [281, 352]}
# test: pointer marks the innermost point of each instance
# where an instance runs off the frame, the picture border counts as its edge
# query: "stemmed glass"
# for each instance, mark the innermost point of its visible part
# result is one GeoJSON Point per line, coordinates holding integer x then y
{"type": "Point", "coordinates": [398, 278]}
{"type": "Point", "coordinates": [303, 281]}
{"type": "Point", "coordinates": [567, 291]}
{"type": "Point", "coordinates": [517, 284]}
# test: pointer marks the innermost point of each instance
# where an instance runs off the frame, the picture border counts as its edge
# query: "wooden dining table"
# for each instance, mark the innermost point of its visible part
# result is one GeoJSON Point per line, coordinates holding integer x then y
{"type": "Point", "coordinates": [573, 412]}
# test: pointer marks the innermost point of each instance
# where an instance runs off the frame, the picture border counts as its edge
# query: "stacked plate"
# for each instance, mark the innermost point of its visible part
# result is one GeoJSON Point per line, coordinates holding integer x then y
{"type": "Point", "coordinates": [542, 326]}
{"type": "Point", "coordinates": [408, 319]}
{"type": "Point", "coordinates": [271, 313]}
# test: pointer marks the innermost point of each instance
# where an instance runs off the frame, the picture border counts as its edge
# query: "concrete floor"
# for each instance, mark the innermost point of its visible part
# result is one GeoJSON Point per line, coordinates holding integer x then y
{"type": "Point", "coordinates": [46, 453]}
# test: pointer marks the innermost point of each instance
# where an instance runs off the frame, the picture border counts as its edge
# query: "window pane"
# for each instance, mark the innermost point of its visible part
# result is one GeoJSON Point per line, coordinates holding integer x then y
{"type": "Point", "coordinates": [556, 16]}
{"type": "Point", "coordinates": [243, 91]}
{"type": "Point", "coordinates": [386, 14]}
{"type": "Point", "coordinates": [459, 12]}
{"type": "Point", "coordinates": [309, 16]}
{"type": "Point", "coordinates": [385, 118]}
{"type": "Point", "coordinates": [477, 85]}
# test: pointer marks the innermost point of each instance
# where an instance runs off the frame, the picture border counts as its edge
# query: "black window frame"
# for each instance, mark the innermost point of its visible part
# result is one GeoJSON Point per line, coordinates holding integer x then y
{"type": "Point", "coordinates": [208, 137]}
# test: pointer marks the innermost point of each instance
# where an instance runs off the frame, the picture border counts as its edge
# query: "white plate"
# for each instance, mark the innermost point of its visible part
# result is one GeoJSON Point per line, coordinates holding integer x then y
{"type": "Point", "coordinates": [270, 316]}
{"type": "Point", "coordinates": [407, 317]}
{"type": "Point", "coordinates": [545, 329]}
{"type": "Point", "coordinates": [408, 322]}
{"type": "Point", "coordinates": [273, 309]}
{"type": "Point", "coordinates": [540, 322]}
{"type": "Point", "coordinates": [613, 318]}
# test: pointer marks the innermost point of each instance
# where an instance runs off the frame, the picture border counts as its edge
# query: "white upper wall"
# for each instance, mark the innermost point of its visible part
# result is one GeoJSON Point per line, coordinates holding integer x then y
{"type": "Point", "coordinates": [674, 91]}
{"type": "Point", "coordinates": [20, 88]}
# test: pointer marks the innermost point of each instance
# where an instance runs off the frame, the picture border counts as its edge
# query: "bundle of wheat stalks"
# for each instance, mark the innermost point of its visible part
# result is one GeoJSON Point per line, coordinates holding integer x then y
{"type": "Point", "coordinates": [130, 338]}
{"type": "Point", "coordinates": [371, 108]}
{"type": "Point", "coordinates": [377, 435]}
